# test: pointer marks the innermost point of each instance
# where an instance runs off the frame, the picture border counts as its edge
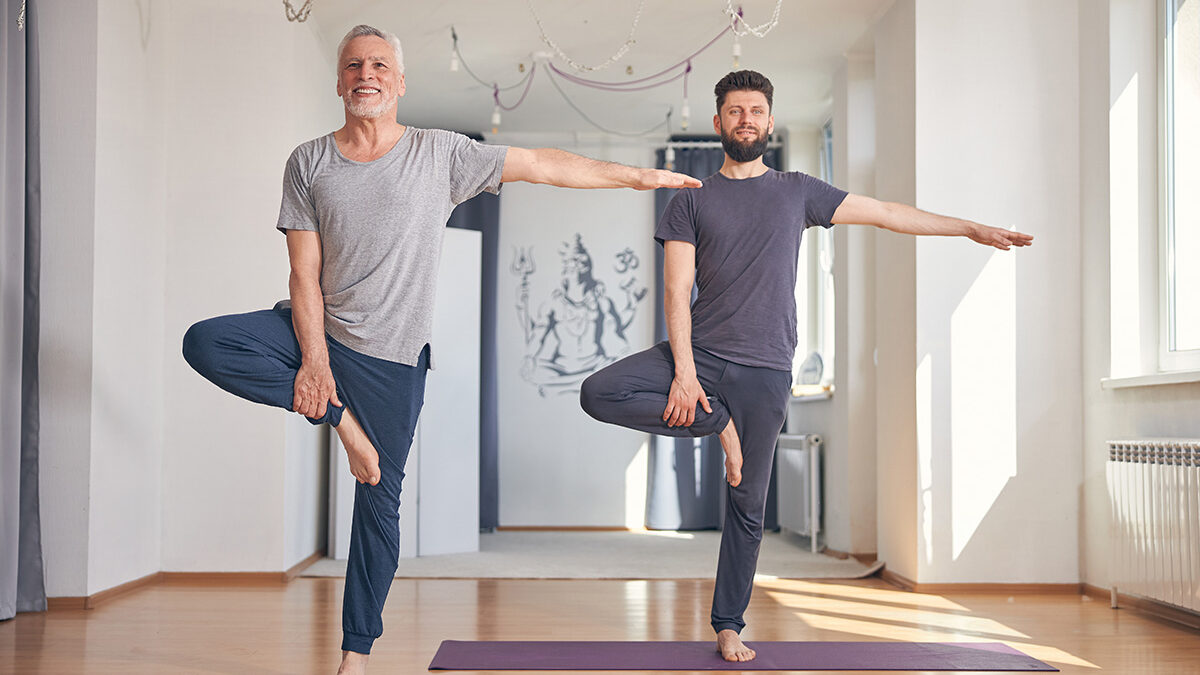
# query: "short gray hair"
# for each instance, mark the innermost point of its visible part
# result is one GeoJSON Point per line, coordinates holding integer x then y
{"type": "Point", "coordinates": [364, 30]}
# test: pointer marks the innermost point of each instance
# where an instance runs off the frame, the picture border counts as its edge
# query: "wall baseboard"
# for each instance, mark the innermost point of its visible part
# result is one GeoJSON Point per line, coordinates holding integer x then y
{"type": "Point", "coordinates": [91, 601]}
{"type": "Point", "coordinates": [916, 587]}
{"type": "Point", "coordinates": [295, 570]}
{"type": "Point", "coordinates": [1155, 608]}
{"type": "Point", "coordinates": [572, 528]}
{"type": "Point", "coordinates": [231, 578]}
{"type": "Point", "coordinates": [190, 578]}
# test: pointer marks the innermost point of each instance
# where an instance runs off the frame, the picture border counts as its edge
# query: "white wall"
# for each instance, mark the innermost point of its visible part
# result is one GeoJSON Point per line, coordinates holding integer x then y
{"type": "Point", "coordinates": [127, 294]}
{"type": "Point", "coordinates": [979, 424]}
{"type": "Point", "coordinates": [244, 89]}
{"type": "Point", "coordinates": [161, 169]}
{"type": "Point", "coordinates": [1118, 164]}
{"type": "Point", "coordinates": [68, 147]}
{"type": "Point", "coordinates": [557, 465]}
{"type": "Point", "coordinates": [895, 292]}
{"type": "Point", "coordinates": [997, 142]}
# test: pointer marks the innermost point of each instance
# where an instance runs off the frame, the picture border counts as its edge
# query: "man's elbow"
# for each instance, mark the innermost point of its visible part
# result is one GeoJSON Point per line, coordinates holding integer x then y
{"type": "Point", "coordinates": [530, 166]}
{"type": "Point", "coordinates": [300, 279]}
{"type": "Point", "coordinates": [677, 296]}
{"type": "Point", "coordinates": [886, 216]}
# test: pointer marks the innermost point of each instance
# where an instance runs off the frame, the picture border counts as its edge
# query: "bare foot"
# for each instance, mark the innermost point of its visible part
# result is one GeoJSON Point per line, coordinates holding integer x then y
{"type": "Point", "coordinates": [364, 460]}
{"type": "Point", "coordinates": [352, 662]}
{"type": "Point", "coordinates": [733, 455]}
{"type": "Point", "coordinates": [730, 645]}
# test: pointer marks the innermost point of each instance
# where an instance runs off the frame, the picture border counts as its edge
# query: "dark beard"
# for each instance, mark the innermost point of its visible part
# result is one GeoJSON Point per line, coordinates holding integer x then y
{"type": "Point", "coordinates": [740, 152]}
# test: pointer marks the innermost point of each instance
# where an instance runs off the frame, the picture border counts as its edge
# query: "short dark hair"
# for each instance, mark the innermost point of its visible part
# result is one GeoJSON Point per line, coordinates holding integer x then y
{"type": "Point", "coordinates": [743, 80]}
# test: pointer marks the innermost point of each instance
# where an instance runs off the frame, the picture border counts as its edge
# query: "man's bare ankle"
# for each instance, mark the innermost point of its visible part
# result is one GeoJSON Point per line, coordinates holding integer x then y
{"type": "Point", "coordinates": [353, 662]}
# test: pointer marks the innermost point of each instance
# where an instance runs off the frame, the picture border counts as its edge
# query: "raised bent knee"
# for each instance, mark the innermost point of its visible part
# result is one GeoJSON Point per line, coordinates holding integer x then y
{"type": "Point", "coordinates": [199, 345]}
{"type": "Point", "coordinates": [591, 396]}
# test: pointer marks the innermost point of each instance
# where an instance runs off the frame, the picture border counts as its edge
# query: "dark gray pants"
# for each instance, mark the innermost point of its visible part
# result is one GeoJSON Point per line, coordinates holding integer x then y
{"type": "Point", "coordinates": [633, 393]}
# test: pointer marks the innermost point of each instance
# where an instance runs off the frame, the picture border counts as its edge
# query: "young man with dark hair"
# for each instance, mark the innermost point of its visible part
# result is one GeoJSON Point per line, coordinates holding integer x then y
{"type": "Point", "coordinates": [737, 238]}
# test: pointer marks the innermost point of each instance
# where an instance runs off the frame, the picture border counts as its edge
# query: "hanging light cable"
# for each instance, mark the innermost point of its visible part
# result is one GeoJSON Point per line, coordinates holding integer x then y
{"type": "Point", "coordinates": [480, 80]}
{"type": "Point", "coordinates": [685, 112]}
{"type": "Point", "coordinates": [666, 122]}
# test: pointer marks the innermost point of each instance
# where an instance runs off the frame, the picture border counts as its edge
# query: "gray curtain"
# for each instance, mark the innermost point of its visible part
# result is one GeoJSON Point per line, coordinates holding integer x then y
{"type": "Point", "coordinates": [686, 488]}
{"type": "Point", "coordinates": [22, 585]}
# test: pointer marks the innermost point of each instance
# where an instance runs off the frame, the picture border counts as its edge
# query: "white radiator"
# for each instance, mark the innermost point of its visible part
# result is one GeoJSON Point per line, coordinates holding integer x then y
{"type": "Point", "coordinates": [1154, 489]}
{"type": "Point", "coordinates": [798, 484]}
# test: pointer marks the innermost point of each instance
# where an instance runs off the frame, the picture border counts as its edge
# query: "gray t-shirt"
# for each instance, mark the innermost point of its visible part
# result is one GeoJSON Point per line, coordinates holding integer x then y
{"type": "Point", "coordinates": [381, 225]}
{"type": "Point", "coordinates": [747, 237]}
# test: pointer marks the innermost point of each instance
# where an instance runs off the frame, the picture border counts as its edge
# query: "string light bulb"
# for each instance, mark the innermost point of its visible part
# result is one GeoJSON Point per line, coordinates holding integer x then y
{"type": "Point", "coordinates": [685, 112]}
{"type": "Point", "coordinates": [737, 52]}
{"type": "Point", "coordinates": [454, 62]}
{"type": "Point", "coordinates": [669, 158]}
{"type": "Point", "coordinates": [496, 119]}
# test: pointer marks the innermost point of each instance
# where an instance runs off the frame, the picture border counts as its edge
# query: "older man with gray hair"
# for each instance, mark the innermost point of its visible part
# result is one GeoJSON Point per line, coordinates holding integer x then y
{"type": "Point", "coordinates": [364, 210]}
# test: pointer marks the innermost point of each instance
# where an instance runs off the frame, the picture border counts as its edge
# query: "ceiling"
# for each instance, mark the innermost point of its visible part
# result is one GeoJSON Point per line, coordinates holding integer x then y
{"type": "Point", "coordinates": [800, 55]}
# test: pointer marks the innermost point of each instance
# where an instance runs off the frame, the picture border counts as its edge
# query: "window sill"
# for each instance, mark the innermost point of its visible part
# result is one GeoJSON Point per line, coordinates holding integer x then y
{"type": "Point", "coordinates": [1153, 380]}
{"type": "Point", "coordinates": [806, 393]}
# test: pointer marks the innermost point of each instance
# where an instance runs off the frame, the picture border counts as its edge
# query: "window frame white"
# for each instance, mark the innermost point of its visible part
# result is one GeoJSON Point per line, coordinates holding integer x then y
{"type": "Point", "coordinates": [1169, 359]}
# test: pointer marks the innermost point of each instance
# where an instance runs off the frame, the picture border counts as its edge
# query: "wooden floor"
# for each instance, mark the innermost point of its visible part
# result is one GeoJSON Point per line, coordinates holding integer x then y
{"type": "Point", "coordinates": [265, 627]}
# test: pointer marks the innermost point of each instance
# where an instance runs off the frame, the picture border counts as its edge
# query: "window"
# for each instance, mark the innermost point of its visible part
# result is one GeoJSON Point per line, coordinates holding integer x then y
{"type": "Point", "coordinates": [814, 289]}
{"type": "Point", "coordinates": [1180, 219]}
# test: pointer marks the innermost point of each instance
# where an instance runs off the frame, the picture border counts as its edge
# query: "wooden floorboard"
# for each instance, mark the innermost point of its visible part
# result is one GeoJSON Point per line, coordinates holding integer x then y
{"type": "Point", "coordinates": [204, 626]}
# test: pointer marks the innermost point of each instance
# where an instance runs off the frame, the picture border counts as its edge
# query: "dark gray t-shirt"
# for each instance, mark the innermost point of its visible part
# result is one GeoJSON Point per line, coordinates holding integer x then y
{"type": "Point", "coordinates": [381, 225]}
{"type": "Point", "coordinates": [747, 237]}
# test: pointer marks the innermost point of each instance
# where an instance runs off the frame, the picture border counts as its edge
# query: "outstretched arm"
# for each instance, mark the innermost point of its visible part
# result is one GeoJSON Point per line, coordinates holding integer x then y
{"type": "Point", "coordinates": [559, 167]}
{"type": "Point", "coordinates": [679, 273]}
{"type": "Point", "coordinates": [905, 219]}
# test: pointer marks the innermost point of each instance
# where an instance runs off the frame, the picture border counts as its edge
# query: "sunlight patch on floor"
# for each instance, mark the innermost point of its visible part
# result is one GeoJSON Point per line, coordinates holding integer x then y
{"type": "Point", "coordinates": [862, 616]}
{"type": "Point", "coordinates": [891, 613]}
{"type": "Point", "coordinates": [862, 593]}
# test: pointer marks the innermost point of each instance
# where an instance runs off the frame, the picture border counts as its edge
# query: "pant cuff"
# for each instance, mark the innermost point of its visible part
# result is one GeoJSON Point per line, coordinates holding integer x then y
{"type": "Point", "coordinates": [712, 426]}
{"type": "Point", "coordinates": [333, 416]}
{"type": "Point", "coordinates": [356, 642]}
{"type": "Point", "coordinates": [719, 626]}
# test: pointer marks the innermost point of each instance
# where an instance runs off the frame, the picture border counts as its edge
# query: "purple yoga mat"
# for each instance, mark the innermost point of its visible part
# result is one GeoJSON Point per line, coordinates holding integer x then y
{"type": "Point", "coordinates": [994, 656]}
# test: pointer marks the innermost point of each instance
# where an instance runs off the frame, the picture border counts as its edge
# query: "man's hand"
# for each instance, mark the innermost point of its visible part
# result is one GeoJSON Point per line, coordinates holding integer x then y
{"type": "Point", "coordinates": [652, 179]}
{"type": "Point", "coordinates": [1001, 239]}
{"type": "Point", "coordinates": [681, 401]}
{"type": "Point", "coordinates": [313, 389]}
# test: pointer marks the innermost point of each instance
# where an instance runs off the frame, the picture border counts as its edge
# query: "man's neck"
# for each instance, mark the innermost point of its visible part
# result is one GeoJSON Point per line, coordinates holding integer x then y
{"type": "Point", "coordinates": [368, 137]}
{"type": "Point", "coordinates": [740, 170]}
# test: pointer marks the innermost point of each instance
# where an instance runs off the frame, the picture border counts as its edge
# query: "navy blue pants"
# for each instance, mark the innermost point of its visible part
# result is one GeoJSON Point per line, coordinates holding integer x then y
{"type": "Point", "coordinates": [633, 393]}
{"type": "Point", "coordinates": [256, 356]}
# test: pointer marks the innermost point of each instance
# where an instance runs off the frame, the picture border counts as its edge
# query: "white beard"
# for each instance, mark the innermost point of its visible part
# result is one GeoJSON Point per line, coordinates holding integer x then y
{"type": "Point", "coordinates": [365, 110]}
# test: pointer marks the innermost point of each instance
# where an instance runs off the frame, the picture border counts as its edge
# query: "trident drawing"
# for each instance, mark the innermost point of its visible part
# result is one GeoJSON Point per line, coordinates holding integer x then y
{"type": "Point", "coordinates": [523, 264]}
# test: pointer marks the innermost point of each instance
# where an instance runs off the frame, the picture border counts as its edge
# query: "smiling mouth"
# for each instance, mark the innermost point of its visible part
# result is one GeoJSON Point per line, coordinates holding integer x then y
{"type": "Point", "coordinates": [365, 91]}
